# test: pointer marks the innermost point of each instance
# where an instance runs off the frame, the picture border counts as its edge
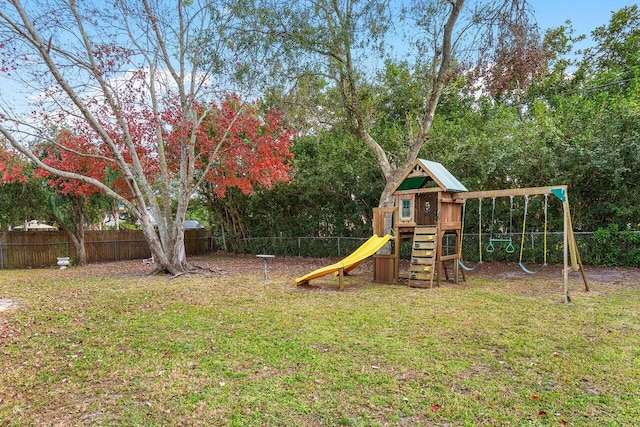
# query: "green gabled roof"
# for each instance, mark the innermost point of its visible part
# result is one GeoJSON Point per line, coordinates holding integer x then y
{"type": "Point", "coordinates": [426, 173]}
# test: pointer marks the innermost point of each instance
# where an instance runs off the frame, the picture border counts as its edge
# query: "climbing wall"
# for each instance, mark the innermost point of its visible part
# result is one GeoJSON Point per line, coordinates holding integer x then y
{"type": "Point", "coordinates": [423, 256]}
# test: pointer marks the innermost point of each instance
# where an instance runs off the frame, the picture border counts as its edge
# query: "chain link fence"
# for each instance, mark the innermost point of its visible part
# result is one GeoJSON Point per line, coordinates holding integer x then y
{"type": "Point", "coordinates": [594, 249]}
{"type": "Point", "coordinates": [602, 248]}
{"type": "Point", "coordinates": [301, 246]}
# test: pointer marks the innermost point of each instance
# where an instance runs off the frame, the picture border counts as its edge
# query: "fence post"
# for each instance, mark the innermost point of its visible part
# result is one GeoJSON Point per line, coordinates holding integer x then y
{"type": "Point", "coordinates": [338, 245]}
{"type": "Point", "coordinates": [1, 256]}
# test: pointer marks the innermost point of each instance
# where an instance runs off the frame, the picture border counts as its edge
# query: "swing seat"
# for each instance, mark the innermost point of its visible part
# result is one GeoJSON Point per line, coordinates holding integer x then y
{"type": "Point", "coordinates": [526, 270]}
{"type": "Point", "coordinates": [464, 267]}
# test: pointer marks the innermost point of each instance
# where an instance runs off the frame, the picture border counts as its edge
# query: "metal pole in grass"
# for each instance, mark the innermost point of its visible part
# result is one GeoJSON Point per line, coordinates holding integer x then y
{"type": "Point", "coordinates": [265, 257]}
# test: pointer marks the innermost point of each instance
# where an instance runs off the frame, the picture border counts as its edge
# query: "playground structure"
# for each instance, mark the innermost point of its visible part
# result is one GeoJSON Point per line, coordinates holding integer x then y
{"type": "Point", "coordinates": [429, 207]}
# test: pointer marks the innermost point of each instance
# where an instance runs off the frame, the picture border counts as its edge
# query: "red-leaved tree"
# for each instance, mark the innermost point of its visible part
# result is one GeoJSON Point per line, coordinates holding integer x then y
{"type": "Point", "coordinates": [141, 87]}
{"type": "Point", "coordinates": [248, 148]}
{"type": "Point", "coordinates": [235, 145]}
{"type": "Point", "coordinates": [11, 166]}
{"type": "Point", "coordinates": [75, 154]}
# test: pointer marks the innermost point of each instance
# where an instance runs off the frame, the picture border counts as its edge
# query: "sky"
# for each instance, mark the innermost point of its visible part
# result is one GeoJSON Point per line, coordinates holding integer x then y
{"type": "Point", "coordinates": [585, 15]}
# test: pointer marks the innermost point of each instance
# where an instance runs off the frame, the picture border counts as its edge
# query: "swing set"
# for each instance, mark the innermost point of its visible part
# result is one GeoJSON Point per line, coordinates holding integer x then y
{"type": "Point", "coordinates": [505, 238]}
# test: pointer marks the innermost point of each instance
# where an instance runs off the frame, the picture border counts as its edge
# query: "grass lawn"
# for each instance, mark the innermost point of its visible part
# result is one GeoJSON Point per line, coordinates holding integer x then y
{"type": "Point", "coordinates": [108, 345]}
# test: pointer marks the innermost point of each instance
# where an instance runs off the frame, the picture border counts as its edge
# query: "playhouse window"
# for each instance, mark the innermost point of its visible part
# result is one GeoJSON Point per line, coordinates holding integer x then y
{"type": "Point", "coordinates": [405, 212]}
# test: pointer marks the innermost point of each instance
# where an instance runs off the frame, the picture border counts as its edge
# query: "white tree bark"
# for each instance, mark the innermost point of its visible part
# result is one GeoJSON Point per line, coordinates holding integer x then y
{"type": "Point", "coordinates": [63, 45]}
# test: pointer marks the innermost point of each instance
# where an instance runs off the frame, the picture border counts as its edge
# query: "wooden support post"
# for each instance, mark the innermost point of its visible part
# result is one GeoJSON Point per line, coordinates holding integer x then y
{"type": "Point", "coordinates": [456, 264]}
{"type": "Point", "coordinates": [439, 238]}
{"type": "Point", "coordinates": [341, 275]}
{"type": "Point", "coordinates": [584, 277]}
{"type": "Point", "coordinates": [573, 247]}
{"type": "Point", "coordinates": [397, 242]}
{"type": "Point", "coordinates": [576, 261]}
{"type": "Point", "coordinates": [438, 260]}
{"type": "Point", "coordinates": [565, 251]}
{"type": "Point", "coordinates": [509, 192]}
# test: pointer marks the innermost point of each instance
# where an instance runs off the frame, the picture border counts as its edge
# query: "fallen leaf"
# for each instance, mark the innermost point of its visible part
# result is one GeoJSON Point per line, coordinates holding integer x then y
{"type": "Point", "coordinates": [435, 408]}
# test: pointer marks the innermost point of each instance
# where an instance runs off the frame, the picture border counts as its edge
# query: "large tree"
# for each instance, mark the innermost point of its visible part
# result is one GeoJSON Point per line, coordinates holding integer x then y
{"type": "Point", "coordinates": [139, 81]}
{"type": "Point", "coordinates": [326, 51]}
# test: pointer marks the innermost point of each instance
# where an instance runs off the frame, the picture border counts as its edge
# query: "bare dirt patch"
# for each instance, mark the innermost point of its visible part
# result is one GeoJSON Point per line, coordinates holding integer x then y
{"type": "Point", "coordinates": [282, 266]}
{"type": "Point", "coordinates": [595, 275]}
{"type": "Point", "coordinates": [284, 269]}
{"type": "Point", "coordinates": [7, 304]}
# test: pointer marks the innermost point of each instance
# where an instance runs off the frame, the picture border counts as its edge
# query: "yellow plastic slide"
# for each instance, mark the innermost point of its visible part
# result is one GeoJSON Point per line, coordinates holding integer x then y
{"type": "Point", "coordinates": [367, 249]}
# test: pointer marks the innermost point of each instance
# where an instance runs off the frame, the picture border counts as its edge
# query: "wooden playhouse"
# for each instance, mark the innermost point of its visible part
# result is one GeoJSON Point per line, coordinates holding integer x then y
{"type": "Point", "coordinates": [426, 214]}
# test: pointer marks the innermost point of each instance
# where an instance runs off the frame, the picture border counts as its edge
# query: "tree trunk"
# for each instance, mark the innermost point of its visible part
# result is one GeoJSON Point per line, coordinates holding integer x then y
{"type": "Point", "coordinates": [169, 254]}
{"type": "Point", "coordinates": [180, 253]}
{"type": "Point", "coordinates": [78, 232]}
{"type": "Point", "coordinates": [74, 228]}
{"type": "Point", "coordinates": [115, 212]}
{"type": "Point", "coordinates": [159, 252]}
{"type": "Point", "coordinates": [81, 251]}
{"type": "Point", "coordinates": [77, 238]}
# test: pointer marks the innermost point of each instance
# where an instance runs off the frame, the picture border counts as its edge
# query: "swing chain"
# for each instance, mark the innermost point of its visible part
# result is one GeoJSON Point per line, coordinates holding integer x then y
{"type": "Point", "coordinates": [524, 224]}
{"type": "Point", "coordinates": [460, 261]}
{"type": "Point", "coordinates": [509, 248]}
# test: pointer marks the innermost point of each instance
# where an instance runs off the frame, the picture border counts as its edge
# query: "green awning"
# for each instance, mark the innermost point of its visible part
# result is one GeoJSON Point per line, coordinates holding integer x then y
{"type": "Point", "coordinates": [412, 183]}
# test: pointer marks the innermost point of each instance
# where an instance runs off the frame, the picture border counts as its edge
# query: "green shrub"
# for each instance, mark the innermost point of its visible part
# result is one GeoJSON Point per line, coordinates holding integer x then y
{"type": "Point", "coordinates": [631, 248]}
{"type": "Point", "coordinates": [609, 247]}
{"type": "Point", "coordinates": [605, 247]}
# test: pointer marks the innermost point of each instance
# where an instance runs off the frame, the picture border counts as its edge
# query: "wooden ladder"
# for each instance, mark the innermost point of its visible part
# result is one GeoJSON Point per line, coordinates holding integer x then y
{"type": "Point", "coordinates": [423, 256]}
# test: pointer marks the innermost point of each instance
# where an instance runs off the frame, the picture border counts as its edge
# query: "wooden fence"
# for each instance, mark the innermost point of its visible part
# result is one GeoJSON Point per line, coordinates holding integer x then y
{"type": "Point", "coordinates": [34, 249]}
